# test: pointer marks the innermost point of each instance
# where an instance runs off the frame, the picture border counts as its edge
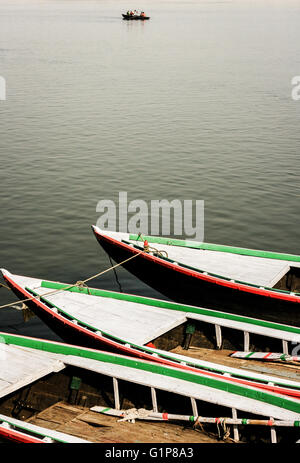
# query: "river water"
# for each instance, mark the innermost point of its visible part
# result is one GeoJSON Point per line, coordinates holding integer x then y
{"type": "Point", "coordinates": [194, 104]}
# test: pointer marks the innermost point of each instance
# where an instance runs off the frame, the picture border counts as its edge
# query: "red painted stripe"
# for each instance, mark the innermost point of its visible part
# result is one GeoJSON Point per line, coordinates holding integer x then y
{"type": "Point", "coordinates": [165, 416]}
{"type": "Point", "coordinates": [267, 355]}
{"type": "Point", "coordinates": [199, 275]}
{"type": "Point", "coordinates": [145, 356]}
{"type": "Point", "coordinates": [17, 436]}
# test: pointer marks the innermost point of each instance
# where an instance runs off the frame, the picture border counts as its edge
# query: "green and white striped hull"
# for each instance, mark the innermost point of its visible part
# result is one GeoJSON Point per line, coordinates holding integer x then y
{"type": "Point", "coordinates": [194, 385]}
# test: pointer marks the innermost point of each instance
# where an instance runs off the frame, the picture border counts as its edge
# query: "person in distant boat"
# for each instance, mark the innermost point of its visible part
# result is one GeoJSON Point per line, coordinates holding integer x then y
{"type": "Point", "coordinates": [142, 14]}
{"type": "Point", "coordinates": [136, 13]}
{"type": "Point", "coordinates": [128, 13]}
{"type": "Point", "coordinates": [131, 13]}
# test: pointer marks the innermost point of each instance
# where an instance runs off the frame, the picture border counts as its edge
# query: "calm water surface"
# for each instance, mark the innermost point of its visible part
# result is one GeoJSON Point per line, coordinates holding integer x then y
{"type": "Point", "coordinates": [194, 104]}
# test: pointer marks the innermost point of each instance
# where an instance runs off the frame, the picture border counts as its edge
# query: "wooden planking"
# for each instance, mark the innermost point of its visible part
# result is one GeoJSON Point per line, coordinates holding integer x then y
{"type": "Point", "coordinates": [182, 387]}
{"type": "Point", "coordinates": [121, 319]}
{"type": "Point", "coordinates": [20, 367]}
{"type": "Point", "coordinates": [102, 428]}
{"type": "Point", "coordinates": [259, 271]}
{"type": "Point", "coordinates": [4, 385]}
{"type": "Point", "coordinates": [58, 415]}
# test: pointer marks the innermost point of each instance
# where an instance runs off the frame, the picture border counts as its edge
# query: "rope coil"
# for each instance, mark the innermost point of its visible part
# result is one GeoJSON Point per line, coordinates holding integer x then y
{"type": "Point", "coordinates": [132, 414]}
{"type": "Point", "coordinates": [147, 248]}
{"type": "Point", "coordinates": [222, 429]}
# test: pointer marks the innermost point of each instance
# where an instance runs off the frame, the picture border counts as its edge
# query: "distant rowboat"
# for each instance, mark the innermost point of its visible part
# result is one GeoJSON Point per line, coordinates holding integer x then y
{"type": "Point", "coordinates": [134, 17]}
{"type": "Point", "coordinates": [254, 283]}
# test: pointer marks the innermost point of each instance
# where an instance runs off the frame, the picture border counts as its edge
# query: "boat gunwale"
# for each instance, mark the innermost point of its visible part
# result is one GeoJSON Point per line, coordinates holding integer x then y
{"type": "Point", "coordinates": [18, 427]}
{"type": "Point", "coordinates": [19, 436]}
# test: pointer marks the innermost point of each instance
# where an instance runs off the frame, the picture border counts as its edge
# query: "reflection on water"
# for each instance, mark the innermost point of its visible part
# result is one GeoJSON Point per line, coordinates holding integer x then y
{"type": "Point", "coordinates": [193, 104]}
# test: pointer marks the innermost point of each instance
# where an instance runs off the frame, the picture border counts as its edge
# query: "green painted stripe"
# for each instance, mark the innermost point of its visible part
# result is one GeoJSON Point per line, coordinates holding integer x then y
{"type": "Point", "coordinates": [216, 247]}
{"type": "Point", "coordinates": [134, 363]}
{"type": "Point", "coordinates": [249, 355]}
{"type": "Point", "coordinates": [170, 305]}
{"type": "Point", "coordinates": [105, 410]}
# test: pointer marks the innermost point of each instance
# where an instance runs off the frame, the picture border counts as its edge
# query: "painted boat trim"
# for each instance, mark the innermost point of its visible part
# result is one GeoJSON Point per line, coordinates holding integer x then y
{"type": "Point", "coordinates": [197, 273]}
{"type": "Point", "coordinates": [172, 306]}
{"type": "Point", "coordinates": [273, 399]}
{"type": "Point", "coordinates": [216, 247]}
{"type": "Point", "coordinates": [266, 356]}
{"type": "Point", "coordinates": [219, 277]}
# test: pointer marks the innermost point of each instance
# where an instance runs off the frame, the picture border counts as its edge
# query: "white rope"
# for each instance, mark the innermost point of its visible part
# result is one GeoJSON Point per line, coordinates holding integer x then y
{"type": "Point", "coordinates": [132, 414]}
{"type": "Point", "coordinates": [78, 283]}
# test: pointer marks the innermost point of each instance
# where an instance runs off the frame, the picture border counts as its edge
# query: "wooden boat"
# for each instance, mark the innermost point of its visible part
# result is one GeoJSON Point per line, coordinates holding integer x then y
{"type": "Point", "coordinates": [129, 17]}
{"type": "Point", "coordinates": [259, 284]}
{"type": "Point", "coordinates": [126, 323]}
{"type": "Point", "coordinates": [37, 373]}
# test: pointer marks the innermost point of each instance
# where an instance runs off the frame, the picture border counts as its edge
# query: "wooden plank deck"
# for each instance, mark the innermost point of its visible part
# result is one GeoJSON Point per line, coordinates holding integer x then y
{"type": "Point", "coordinates": [19, 367]}
{"type": "Point", "coordinates": [83, 423]}
{"type": "Point", "coordinates": [124, 301]}
{"type": "Point", "coordinates": [123, 319]}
